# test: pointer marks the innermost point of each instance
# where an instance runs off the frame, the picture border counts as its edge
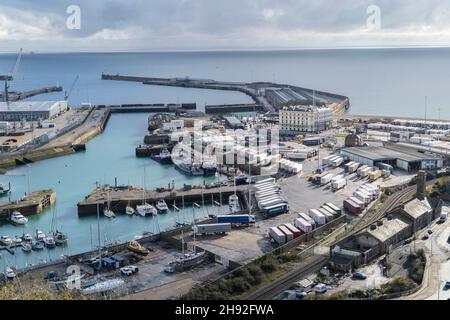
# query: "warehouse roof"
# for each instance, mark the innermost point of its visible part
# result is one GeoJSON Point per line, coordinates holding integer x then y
{"type": "Point", "coordinates": [389, 229]}
{"type": "Point", "coordinates": [390, 153]}
{"type": "Point", "coordinates": [23, 106]}
{"type": "Point", "coordinates": [416, 208]}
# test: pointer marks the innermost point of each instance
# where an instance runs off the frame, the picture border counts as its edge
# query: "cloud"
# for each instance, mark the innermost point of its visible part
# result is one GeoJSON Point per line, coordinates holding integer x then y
{"type": "Point", "coordinates": [231, 24]}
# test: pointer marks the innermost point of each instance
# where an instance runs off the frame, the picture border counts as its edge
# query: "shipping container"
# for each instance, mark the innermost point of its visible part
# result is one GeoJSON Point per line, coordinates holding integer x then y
{"type": "Point", "coordinates": [339, 184]}
{"type": "Point", "coordinates": [358, 202]}
{"type": "Point", "coordinates": [289, 235]}
{"type": "Point", "coordinates": [213, 228]}
{"type": "Point", "coordinates": [370, 191]}
{"type": "Point", "coordinates": [337, 162]}
{"type": "Point", "coordinates": [326, 179]}
{"type": "Point", "coordinates": [303, 225]}
{"type": "Point", "coordinates": [236, 218]}
{"type": "Point", "coordinates": [353, 168]}
{"type": "Point", "coordinates": [375, 175]}
{"type": "Point", "coordinates": [348, 164]}
{"type": "Point", "coordinates": [277, 235]}
{"type": "Point", "coordinates": [318, 217]}
{"type": "Point", "coordinates": [360, 169]}
{"type": "Point", "coordinates": [328, 216]}
{"type": "Point", "coordinates": [307, 218]}
{"type": "Point", "coordinates": [295, 231]}
{"type": "Point", "coordinates": [331, 211]}
{"type": "Point", "coordinates": [363, 196]}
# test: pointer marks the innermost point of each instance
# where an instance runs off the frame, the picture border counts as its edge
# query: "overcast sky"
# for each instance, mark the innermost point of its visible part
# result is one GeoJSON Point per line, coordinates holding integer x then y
{"type": "Point", "coordinates": [123, 25]}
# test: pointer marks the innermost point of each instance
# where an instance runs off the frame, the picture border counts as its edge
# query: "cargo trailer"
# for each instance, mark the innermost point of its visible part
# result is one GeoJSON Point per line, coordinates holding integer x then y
{"type": "Point", "coordinates": [303, 225]}
{"type": "Point", "coordinates": [213, 228]}
{"type": "Point", "coordinates": [337, 185]}
{"type": "Point", "coordinates": [295, 231]}
{"type": "Point", "coordinates": [289, 235]}
{"type": "Point", "coordinates": [359, 202]}
{"type": "Point", "coordinates": [326, 179]}
{"type": "Point", "coordinates": [352, 207]}
{"type": "Point", "coordinates": [277, 235]}
{"type": "Point", "coordinates": [331, 211]}
{"type": "Point", "coordinates": [353, 168]}
{"type": "Point", "coordinates": [236, 218]}
{"type": "Point", "coordinates": [307, 218]}
{"type": "Point", "coordinates": [348, 164]}
{"type": "Point", "coordinates": [328, 216]}
{"type": "Point", "coordinates": [337, 162]}
{"type": "Point", "coordinates": [363, 196]}
{"type": "Point", "coordinates": [318, 217]}
{"type": "Point", "coordinates": [375, 175]}
{"type": "Point", "coordinates": [334, 207]}
{"type": "Point", "coordinates": [275, 210]}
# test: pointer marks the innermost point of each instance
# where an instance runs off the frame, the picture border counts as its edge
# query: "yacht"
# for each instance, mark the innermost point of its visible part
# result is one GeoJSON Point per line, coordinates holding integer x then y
{"type": "Point", "coordinates": [49, 242]}
{"type": "Point", "coordinates": [18, 218]}
{"type": "Point", "coordinates": [233, 202]}
{"type": "Point", "coordinates": [146, 209]}
{"type": "Point", "coordinates": [40, 236]}
{"type": "Point", "coordinates": [109, 213]}
{"type": "Point", "coordinates": [37, 245]}
{"type": "Point", "coordinates": [130, 210]}
{"type": "Point", "coordinates": [17, 240]}
{"type": "Point", "coordinates": [27, 237]}
{"type": "Point", "coordinates": [5, 240]}
{"type": "Point", "coordinates": [162, 206]}
{"type": "Point", "coordinates": [60, 238]}
{"type": "Point", "coordinates": [26, 247]}
{"type": "Point", "coordinates": [187, 260]}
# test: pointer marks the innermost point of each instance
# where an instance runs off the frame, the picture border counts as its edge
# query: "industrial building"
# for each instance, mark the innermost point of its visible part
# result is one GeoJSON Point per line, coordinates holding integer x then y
{"type": "Point", "coordinates": [405, 158]}
{"type": "Point", "coordinates": [31, 110]}
{"type": "Point", "coordinates": [281, 97]}
{"type": "Point", "coordinates": [233, 122]}
{"type": "Point", "coordinates": [295, 119]}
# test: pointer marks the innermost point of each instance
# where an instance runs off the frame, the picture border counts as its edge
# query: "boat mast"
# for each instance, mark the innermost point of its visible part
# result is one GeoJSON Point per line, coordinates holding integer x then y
{"type": "Point", "coordinates": [99, 238]}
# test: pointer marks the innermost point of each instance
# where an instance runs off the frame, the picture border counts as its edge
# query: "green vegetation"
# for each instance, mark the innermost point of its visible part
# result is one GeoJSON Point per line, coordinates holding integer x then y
{"type": "Point", "coordinates": [14, 290]}
{"type": "Point", "coordinates": [243, 279]}
{"type": "Point", "coordinates": [397, 285]}
{"type": "Point", "coordinates": [416, 266]}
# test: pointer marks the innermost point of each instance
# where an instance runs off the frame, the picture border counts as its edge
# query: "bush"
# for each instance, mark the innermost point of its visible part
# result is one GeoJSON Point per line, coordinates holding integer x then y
{"type": "Point", "coordinates": [268, 265]}
{"type": "Point", "coordinates": [398, 285]}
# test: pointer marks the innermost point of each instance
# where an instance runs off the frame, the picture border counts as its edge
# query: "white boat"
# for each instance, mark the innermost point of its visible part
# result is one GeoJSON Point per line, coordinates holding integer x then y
{"type": "Point", "coordinates": [109, 213]}
{"type": "Point", "coordinates": [10, 274]}
{"type": "Point", "coordinates": [49, 242]}
{"type": "Point", "coordinates": [146, 209]}
{"type": "Point", "coordinates": [233, 202]}
{"type": "Point", "coordinates": [162, 207]}
{"type": "Point", "coordinates": [130, 210]}
{"type": "Point", "coordinates": [17, 240]}
{"type": "Point", "coordinates": [5, 240]}
{"type": "Point", "coordinates": [26, 247]}
{"type": "Point", "coordinates": [27, 237]}
{"type": "Point", "coordinates": [40, 236]}
{"type": "Point", "coordinates": [60, 238]}
{"type": "Point", "coordinates": [18, 218]}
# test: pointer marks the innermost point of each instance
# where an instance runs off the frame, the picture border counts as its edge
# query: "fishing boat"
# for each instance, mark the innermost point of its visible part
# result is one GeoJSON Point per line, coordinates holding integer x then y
{"type": "Point", "coordinates": [37, 245]}
{"type": "Point", "coordinates": [18, 218]}
{"type": "Point", "coordinates": [130, 210]}
{"type": "Point", "coordinates": [40, 236]}
{"type": "Point", "coordinates": [136, 247]}
{"type": "Point", "coordinates": [162, 207]}
{"type": "Point", "coordinates": [49, 242]}
{"type": "Point", "coordinates": [190, 169]}
{"type": "Point", "coordinates": [164, 156]}
{"type": "Point", "coordinates": [26, 247]}
{"type": "Point", "coordinates": [60, 238]}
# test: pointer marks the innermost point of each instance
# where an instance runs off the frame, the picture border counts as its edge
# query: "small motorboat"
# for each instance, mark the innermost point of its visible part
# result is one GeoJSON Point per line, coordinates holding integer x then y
{"type": "Point", "coordinates": [161, 206]}
{"type": "Point", "coordinates": [26, 247]}
{"type": "Point", "coordinates": [129, 210]}
{"type": "Point", "coordinates": [18, 218]}
{"type": "Point", "coordinates": [27, 237]}
{"type": "Point", "coordinates": [10, 274]}
{"type": "Point", "coordinates": [37, 245]}
{"type": "Point", "coordinates": [17, 240]}
{"type": "Point", "coordinates": [60, 238]}
{"type": "Point", "coordinates": [49, 242]}
{"type": "Point", "coordinates": [109, 213]}
{"type": "Point", "coordinates": [40, 236]}
{"type": "Point", "coordinates": [6, 241]}
{"type": "Point", "coordinates": [136, 247]}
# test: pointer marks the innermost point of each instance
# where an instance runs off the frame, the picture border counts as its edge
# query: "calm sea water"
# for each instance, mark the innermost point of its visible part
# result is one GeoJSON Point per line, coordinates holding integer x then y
{"type": "Point", "coordinates": [391, 82]}
{"type": "Point", "coordinates": [378, 81]}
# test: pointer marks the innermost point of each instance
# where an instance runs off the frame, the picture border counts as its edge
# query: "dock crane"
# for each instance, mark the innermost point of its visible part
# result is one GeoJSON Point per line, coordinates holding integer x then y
{"type": "Point", "coordinates": [67, 93]}
{"type": "Point", "coordinates": [10, 77]}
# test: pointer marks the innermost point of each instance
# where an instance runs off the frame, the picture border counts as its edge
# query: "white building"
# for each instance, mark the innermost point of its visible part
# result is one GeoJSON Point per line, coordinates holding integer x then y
{"type": "Point", "coordinates": [31, 110]}
{"type": "Point", "coordinates": [305, 119]}
{"type": "Point", "coordinates": [173, 125]}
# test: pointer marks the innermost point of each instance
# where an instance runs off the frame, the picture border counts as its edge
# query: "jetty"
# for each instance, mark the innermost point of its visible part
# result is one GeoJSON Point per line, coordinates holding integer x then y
{"type": "Point", "coordinates": [120, 197]}
{"type": "Point", "coordinates": [34, 203]}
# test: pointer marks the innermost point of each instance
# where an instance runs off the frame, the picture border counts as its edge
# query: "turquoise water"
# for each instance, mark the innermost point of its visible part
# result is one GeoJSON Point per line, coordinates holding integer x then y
{"type": "Point", "coordinates": [109, 155]}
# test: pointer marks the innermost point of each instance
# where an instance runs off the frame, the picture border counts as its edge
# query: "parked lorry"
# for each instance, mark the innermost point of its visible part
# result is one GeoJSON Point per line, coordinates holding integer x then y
{"type": "Point", "coordinates": [337, 162]}
{"type": "Point", "coordinates": [363, 196]}
{"type": "Point", "coordinates": [213, 228]}
{"type": "Point", "coordinates": [236, 218]}
{"type": "Point", "coordinates": [289, 235]}
{"type": "Point", "coordinates": [339, 184]}
{"type": "Point", "coordinates": [328, 216]}
{"type": "Point", "coordinates": [375, 175]}
{"type": "Point", "coordinates": [318, 217]}
{"type": "Point", "coordinates": [277, 235]}
{"type": "Point", "coordinates": [353, 168]}
{"type": "Point", "coordinates": [365, 172]}
{"type": "Point", "coordinates": [307, 218]}
{"type": "Point", "coordinates": [358, 202]}
{"type": "Point", "coordinates": [326, 179]}
{"type": "Point", "coordinates": [303, 225]}
{"type": "Point", "coordinates": [331, 211]}
{"type": "Point", "coordinates": [348, 164]}
{"type": "Point", "coordinates": [295, 231]}
{"type": "Point", "coordinates": [334, 207]}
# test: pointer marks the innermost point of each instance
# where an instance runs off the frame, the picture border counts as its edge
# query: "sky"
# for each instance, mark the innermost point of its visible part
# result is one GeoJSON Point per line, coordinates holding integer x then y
{"type": "Point", "coordinates": [152, 25]}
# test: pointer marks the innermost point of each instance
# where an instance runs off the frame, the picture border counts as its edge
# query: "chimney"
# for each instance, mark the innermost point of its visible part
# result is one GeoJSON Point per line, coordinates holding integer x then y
{"type": "Point", "coordinates": [421, 183]}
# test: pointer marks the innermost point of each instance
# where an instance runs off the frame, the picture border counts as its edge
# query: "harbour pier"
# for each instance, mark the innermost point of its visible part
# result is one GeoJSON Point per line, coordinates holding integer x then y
{"type": "Point", "coordinates": [32, 204]}
{"type": "Point", "coordinates": [119, 198]}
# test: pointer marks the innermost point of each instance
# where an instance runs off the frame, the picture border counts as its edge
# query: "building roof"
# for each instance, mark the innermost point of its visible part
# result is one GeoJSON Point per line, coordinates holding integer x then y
{"type": "Point", "coordinates": [389, 229]}
{"type": "Point", "coordinates": [24, 106]}
{"type": "Point", "coordinates": [416, 208]}
{"type": "Point", "coordinates": [390, 153]}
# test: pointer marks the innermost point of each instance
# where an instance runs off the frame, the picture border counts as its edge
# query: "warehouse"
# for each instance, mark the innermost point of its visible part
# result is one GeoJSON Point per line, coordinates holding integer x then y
{"type": "Point", "coordinates": [31, 110]}
{"type": "Point", "coordinates": [408, 159]}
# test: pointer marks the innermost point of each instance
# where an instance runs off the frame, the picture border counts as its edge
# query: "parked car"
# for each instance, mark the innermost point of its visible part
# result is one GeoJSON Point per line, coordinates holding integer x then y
{"type": "Point", "coordinates": [430, 232]}
{"type": "Point", "coordinates": [320, 288]}
{"type": "Point", "coordinates": [126, 271]}
{"type": "Point", "coordinates": [447, 285]}
{"type": "Point", "coordinates": [425, 237]}
{"type": "Point", "coordinates": [169, 269]}
{"type": "Point", "coordinates": [359, 276]}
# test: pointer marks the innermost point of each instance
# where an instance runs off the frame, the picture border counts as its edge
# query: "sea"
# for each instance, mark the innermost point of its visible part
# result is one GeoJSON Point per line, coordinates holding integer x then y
{"type": "Point", "coordinates": [390, 82]}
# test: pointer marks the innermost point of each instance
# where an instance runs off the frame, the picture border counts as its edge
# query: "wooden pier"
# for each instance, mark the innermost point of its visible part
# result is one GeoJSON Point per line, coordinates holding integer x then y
{"type": "Point", "coordinates": [121, 197]}
{"type": "Point", "coordinates": [35, 203]}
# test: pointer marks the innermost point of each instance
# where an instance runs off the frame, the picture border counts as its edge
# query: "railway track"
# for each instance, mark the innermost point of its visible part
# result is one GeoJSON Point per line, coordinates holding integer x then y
{"type": "Point", "coordinates": [285, 282]}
